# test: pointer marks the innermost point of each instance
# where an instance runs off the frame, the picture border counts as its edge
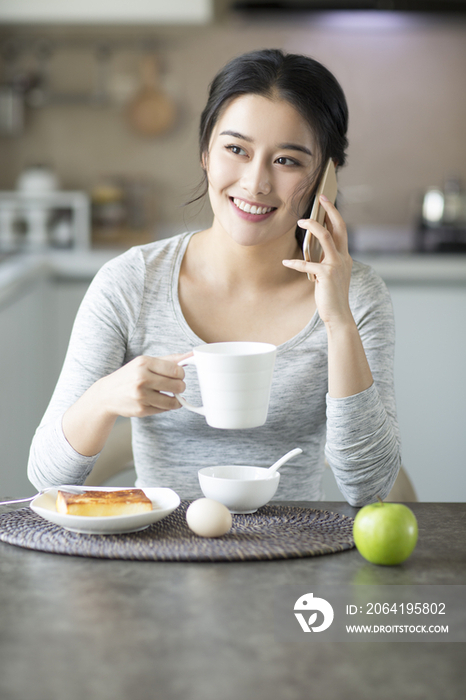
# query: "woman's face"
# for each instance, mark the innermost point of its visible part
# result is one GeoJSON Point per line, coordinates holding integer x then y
{"type": "Point", "coordinates": [260, 153]}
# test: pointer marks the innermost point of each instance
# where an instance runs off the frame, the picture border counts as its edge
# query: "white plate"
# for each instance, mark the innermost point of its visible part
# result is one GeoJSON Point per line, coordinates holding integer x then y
{"type": "Point", "coordinates": [164, 502]}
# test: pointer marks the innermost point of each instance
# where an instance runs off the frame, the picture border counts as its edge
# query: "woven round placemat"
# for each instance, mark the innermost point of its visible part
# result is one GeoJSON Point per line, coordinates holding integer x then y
{"type": "Point", "coordinates": [273, 532]}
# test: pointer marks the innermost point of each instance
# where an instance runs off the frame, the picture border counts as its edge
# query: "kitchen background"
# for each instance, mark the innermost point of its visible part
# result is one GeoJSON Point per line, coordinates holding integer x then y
{"type": "Point", "coordinates": [76, 88]}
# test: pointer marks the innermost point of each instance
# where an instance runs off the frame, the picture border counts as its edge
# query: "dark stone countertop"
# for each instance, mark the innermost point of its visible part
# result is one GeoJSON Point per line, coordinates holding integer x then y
{"type": "Point", "coordinates": [76, 627]}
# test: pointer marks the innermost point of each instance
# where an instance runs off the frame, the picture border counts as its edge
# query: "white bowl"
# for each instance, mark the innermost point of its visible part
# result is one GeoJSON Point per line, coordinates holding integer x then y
{"type": "Point", "coordinates": [240, 489]}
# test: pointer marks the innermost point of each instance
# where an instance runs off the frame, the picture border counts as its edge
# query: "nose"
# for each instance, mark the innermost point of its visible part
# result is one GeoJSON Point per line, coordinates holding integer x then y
{"type": "Point", "coordinates": [256, 178]}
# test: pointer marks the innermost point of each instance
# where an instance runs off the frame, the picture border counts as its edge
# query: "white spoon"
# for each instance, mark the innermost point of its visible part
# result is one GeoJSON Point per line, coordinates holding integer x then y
{"type": "Point", "coordinates": [271, 470]}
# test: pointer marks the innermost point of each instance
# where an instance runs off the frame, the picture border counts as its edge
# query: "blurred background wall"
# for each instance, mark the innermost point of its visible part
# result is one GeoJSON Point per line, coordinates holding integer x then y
{"type": "Point", "coordinates": [404, 77]}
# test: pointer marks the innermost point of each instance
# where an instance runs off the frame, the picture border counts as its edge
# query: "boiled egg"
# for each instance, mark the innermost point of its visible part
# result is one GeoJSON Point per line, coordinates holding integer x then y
{"type": "Point", "coordinates": [208, 518]}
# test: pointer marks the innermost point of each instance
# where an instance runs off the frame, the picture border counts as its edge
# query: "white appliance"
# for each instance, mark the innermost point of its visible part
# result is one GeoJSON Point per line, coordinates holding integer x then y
{"type": "Point", "coordinates": [35, 221]}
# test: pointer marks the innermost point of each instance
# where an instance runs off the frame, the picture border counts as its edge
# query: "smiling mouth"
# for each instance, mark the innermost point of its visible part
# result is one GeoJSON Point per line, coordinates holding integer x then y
{"type": "Point", "coordinates": [251, 208]}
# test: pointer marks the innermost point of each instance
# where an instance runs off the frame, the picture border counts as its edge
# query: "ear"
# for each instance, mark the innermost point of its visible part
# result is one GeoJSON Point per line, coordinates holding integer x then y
{"type": "Point", "coordinates": [204, 159]}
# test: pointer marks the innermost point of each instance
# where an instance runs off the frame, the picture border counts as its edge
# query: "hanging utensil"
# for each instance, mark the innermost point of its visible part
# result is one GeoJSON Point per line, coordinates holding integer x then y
{"type": "Point", "coordinates": [11, 92]}
{"type": "Point", "coordinates": [11, 111]}
{"type": "Point", "coordinates": [151, 112]}
{"type": "Point", "coordinates": [103, 56]}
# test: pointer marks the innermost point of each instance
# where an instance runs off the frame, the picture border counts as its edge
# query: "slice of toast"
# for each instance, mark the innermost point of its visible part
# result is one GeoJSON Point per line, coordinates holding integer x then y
{"type": "Point", "coordinates": [103, 503]}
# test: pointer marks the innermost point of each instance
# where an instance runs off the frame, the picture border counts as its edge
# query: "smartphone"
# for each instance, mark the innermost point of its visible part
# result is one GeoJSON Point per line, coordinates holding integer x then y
{"type": "Point", "coordinates": [328, 186]}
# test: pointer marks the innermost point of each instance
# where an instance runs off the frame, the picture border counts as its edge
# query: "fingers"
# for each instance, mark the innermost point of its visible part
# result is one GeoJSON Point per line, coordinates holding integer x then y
{"type": "Point", "coordinates": [177, 357]}
{"type": "Point", "coordinates": [165, 366]}
{"type": "Point", "coordinates": [158, 402]}
{"type": "Point", "coordinates": [332, 238]}
{"type": "Point", "coordinates": [145, 386]}
{"type": "Point", "coordinates": [332, 214]}
{"type": "Point", "coordinates": [336, 261]}
{"type": "Point", "coordinates": [160, 374]}
{"type": "Point", "coordinates": [302, 266]}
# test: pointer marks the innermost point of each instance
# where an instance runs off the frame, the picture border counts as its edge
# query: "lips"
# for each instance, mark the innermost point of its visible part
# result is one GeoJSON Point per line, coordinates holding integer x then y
{"type": "Point", "coordinates": [256, 209]}
{"type": "Point", "coordinates": [251, 212]}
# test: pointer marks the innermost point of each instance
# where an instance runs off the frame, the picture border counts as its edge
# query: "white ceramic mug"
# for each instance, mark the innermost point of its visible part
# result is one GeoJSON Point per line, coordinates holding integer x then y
{"type": "Point", "coordinates": [235, 380]}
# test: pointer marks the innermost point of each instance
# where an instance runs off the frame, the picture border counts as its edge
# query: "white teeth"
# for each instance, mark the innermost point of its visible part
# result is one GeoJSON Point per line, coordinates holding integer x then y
{"type": "Point", "coordinates": [251, 208]}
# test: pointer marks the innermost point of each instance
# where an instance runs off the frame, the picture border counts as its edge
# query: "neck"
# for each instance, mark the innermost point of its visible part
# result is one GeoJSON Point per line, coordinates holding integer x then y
{"type": "Point", "coordinates": [218, 256]}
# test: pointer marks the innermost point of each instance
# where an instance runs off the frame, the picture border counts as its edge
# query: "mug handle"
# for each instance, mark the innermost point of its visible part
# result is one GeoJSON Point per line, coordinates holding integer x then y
{"type": "Point", "coordinates": [196, 409]}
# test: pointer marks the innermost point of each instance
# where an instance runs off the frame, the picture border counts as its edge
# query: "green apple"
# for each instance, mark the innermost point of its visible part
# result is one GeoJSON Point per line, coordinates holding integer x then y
{"type": "Point", "coordinates": [385, 533]}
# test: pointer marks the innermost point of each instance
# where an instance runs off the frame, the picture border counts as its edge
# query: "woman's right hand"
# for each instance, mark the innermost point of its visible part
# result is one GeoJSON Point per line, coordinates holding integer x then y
{"type": "Point", "coordinates": [137, 389]}
{"type": "Point", "coordinates": [143, 387]}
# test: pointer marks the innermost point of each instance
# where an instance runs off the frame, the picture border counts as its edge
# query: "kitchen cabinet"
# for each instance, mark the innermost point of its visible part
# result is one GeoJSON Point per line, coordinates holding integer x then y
{"type": "Point", "coordinates": [107, 12]}
{"type": "Point", "coordinates": [65, 297]}
{"type": "Point", "coordinates": [430, 376]}
{"type": "Point", "coordinates": [35, 325]}
{"type": "Point", "coordinates": [24, 337]}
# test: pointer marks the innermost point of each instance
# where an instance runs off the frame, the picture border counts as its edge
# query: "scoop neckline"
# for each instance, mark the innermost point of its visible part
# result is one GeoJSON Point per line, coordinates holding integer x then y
{"type": "Point", "coordinates": [193, 338]}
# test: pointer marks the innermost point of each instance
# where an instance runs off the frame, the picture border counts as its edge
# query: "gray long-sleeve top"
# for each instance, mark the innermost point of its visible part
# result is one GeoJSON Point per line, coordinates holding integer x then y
{"type": "Point", "coordinates": [132, 308]}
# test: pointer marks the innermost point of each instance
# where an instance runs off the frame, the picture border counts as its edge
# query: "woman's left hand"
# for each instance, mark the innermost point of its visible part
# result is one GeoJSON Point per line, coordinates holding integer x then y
{"type": "Point", "coordinates": [332, 274]}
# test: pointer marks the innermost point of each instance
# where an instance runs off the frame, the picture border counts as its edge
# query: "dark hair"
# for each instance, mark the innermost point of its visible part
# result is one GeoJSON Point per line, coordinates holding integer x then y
{"type": "Point", "coordinates": [303, 82]}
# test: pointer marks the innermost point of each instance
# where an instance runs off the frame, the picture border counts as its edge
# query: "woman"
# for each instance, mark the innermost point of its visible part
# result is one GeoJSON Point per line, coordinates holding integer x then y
{"type": "Point", "coordinates": [270, 124]}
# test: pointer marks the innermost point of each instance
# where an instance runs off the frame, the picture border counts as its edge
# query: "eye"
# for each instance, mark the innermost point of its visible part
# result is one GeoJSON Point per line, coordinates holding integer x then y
{"type": "Point", "coordinates": [237, 150]}
{"type": "Point", "coordinates": [284, 160]}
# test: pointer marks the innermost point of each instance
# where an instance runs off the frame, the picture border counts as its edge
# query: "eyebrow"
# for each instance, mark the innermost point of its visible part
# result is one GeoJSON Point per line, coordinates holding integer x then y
{"type": "Point", "coordinates": [285, 146]}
